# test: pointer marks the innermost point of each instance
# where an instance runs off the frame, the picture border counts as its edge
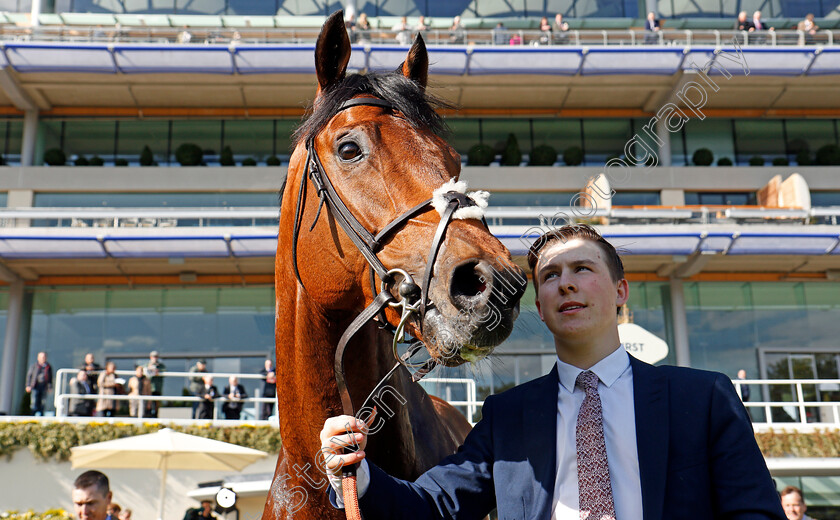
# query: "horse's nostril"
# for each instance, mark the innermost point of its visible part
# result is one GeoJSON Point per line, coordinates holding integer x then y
{"type": "Point", "coordinates": [467, 281]}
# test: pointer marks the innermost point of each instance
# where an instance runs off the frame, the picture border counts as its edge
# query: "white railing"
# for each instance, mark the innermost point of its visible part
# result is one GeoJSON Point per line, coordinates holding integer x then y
{"type": "Point", "coordinates": [798, 409]}
{"type": "Point", "coordinates": [62, 398]}
{"type": "Point", "coordinates": [504, 37]}
{"type": "Point", "coordinates": [496, 215]}
{"type": "Point", "coordinates": [471, 403]}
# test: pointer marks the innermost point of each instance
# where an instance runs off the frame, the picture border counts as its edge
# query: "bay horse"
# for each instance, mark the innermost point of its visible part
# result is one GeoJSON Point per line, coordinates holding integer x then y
{"type": "Point", "coordinates": [376, 137]}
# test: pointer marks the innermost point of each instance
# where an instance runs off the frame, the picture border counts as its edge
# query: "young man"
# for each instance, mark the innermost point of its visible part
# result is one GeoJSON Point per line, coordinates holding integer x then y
{"type": "Point", "coordinates": [602, 436]}
{"type": "Point", "coordinates": [794, 504]}
{"type": "Point", "coordinates": [39, 382]}
{"type": "Point", "coordinates": [91, 496]}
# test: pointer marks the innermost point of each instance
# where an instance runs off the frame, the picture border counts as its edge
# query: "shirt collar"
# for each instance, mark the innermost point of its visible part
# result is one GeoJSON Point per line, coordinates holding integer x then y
{"type": "Point", "coordinates": [608, 369]}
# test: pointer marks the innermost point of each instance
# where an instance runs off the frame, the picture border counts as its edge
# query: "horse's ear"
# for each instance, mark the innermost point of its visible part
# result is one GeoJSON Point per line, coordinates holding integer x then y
{"type": "Point", "coordinates": [332, 52]}
{"type": "Point", "coordinates": [416, 64]}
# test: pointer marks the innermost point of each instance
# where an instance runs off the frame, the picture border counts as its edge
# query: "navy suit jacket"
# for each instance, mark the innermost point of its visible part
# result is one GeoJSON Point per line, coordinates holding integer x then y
{"type": "Point", "coordinates": [698, 458]}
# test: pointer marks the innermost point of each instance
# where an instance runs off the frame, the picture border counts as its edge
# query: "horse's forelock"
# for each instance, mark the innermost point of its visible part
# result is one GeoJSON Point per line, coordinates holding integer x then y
{"type": "Point", "coordinates": [405, 95]}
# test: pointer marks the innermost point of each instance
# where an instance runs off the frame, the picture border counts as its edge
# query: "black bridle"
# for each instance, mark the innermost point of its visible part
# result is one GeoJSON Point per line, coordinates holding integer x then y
{"type": "Point", "coordinates": [412, 299]}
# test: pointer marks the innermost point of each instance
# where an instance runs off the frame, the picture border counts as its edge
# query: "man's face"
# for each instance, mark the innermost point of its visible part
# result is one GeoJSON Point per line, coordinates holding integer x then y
{"type": "Point", "coordinates": [794, 506]}
{"type": "Point", "coordinates": [577, 296]}
{"type": "Point", "coordinates": [42, 358]}
{"type": "Point", "coordinates": [89, 359]}
{"type": "Point", "coordinates": [90, 504]}
{"type": "Point", "coordinates": [207, 506]}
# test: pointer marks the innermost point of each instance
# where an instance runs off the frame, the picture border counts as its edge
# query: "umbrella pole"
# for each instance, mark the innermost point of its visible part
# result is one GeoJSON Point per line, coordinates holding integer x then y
{"type": "Point", "coordinates": [162, 488]}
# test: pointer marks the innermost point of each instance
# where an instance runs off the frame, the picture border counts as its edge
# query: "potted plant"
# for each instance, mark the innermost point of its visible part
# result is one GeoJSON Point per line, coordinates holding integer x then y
{"type": "Point", "coordinates": [542, 155]}
{"type": "Point", "coordinates": [573, 156]}
{"type": "Point", "coordinates": [226, 159]}
{"type": "Point", "coordinates": [480, 155]}
{"type": "Point", "coordinates": [189, 154]}
{"type": "Point", "coordinates": [147, 158]}
{"type": "Point", "coordinates": [511, 155]}
{"type": "Point", "coordinates": [272, 161]}
{"type": "Point", "coordinates": [703, 157]}
{"type": "Point", "coordinates": [55, 157]}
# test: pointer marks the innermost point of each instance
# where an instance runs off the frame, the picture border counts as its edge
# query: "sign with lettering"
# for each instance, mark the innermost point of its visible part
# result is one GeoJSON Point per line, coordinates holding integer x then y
{"type": "Point", "coordinates": [642, 344]}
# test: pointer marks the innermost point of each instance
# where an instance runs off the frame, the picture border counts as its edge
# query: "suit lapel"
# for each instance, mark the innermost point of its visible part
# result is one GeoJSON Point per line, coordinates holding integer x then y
{"type": "Point", "coordinates": [650, 396]}
{"type": "Point", "coordinates": [539, 423]}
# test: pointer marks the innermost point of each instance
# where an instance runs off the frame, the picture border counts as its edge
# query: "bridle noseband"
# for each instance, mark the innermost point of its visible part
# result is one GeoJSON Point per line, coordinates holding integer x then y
{"type": "Point", "coordinates": [412, 299]}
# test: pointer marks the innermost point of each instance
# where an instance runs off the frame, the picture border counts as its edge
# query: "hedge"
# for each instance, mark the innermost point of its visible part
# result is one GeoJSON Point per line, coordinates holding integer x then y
{"type": "Point", "coordinates": [53, 440]}
{"type": "Point", "coordinates": [50, 514]}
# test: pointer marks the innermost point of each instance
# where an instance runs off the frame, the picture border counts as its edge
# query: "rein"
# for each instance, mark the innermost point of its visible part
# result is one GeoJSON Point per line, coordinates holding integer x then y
{"type": "Point", "coordinates": [412, 299]}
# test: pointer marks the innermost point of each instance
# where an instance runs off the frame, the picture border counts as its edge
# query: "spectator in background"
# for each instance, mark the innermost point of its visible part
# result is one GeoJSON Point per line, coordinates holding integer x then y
{"type": "Point", "coordinates": [500, 36]}
{"type": "Point", "coordinates": [742, 24]}
{"type": "Point", "coordinates": [91, 496]}
{"type": "Point", "coordinates": [138, 385]}
{"type": "Point", "coordinates": [403, 32]}
{"type": "Point", "coordinates": [196, 382]}
{"type": "Point", "coordinates": [651, 29]}
{"type": "Point", "coordinates": [235, 393]}
{"type": "Point", "coordinates": [269, 389]}
{"type": "Point", "coordinates": [793, 502]}
{"type": "Point", "coordinates": [184, 36]}
{"type": "Point", "coordinates": [201, 513]}
{"type": "Point", "coordinates": [208, 393]}
{"type": "Point", "coordinates": [560, 30]}
{"type": "Point", "coordinates": [363, 28]}
{"type": "Point", "coordinates": [114, 510]}
{"type": "Point", "coordinates": [92, 368]}
{"type": "Point", "coordinates": [421, 24]}
{"type": "Point", "coordinates": [39, 382]}
{"type": "Point", "coordinates": [545, 28]}
{"type": "Point", "coordinates": [758, 24]}
{"type": "Point", "coordinates": [153, 371]}
{"type": "Point", "coordinates": [745, 389]}
{"type": "Point", "coordinates": [81, 385]}
{"type": "Point", "coordinates": [808, 27]}
{"type": "Point", "coordinates": [107, 384]}
{"type": "Point", "coordinates": [457, 34]}
{"type": "Point", "coordinates": [350, 25]}
{"type": "Point", "coordinates": [125, 514]}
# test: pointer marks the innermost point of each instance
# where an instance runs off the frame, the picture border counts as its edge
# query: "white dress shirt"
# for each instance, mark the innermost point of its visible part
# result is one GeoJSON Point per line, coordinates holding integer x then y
{"type": "Point", "coordinates": [616, 390]}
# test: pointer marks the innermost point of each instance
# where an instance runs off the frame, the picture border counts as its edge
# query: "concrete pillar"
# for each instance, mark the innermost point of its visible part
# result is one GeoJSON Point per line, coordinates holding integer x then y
{"type": "Point", "coordinates": [665, 149]}
{"type": "Point", "coordinates": [36, 13]}
{"type": "Point", "coordinates": [10, 347]}
{"type": "Point", "coordinates": [30, 132]}
{"type": "Point", "coordinates": [680, 323]}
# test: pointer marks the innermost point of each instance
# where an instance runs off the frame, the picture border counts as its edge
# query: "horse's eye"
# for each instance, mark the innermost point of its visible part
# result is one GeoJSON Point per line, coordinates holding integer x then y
{"type": "Point", "coordinates": [349, 151]}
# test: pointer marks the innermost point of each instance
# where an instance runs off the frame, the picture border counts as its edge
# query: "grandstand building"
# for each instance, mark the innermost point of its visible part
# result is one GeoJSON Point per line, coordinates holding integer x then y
{"type": "Point", "coordinates": [722, 147]}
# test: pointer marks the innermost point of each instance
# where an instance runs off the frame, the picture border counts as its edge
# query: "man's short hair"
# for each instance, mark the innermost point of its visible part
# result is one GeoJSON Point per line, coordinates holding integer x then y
{"type": "Point", "coordinates": [93, 478]}
{"type": "Point", "coordinates": [569, 232]}
{"type": "Point", "coordinates": [792, 489]}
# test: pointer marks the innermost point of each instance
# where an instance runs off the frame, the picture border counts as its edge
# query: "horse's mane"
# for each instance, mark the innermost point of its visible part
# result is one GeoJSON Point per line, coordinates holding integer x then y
{"type": "Point", "coordinates": [406, 96]}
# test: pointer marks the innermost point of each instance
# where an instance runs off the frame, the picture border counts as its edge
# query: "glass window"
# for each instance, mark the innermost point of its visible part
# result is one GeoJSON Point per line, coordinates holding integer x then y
{"type": "Point", "coordinates": [154, 200]}
{"type": "Point", "coordinates": [531, 198]}
{"type": "Point", "coordinates": [635, 198]}
{"type": "Point", "coordinates": [250, 138]}
{"type": "Point", "coordinates": [695, 198]}
{"type": "Point", "coordinates": [495, 133]}
{"type": "Point", "coordinates": [207, 134]}
{"type": "Point", "coordinates": [649, 305]}
{"type": "Point", "coordinates": [825, 198]}
{"type": "Point", "coordinates": [464, 134]}
{"type": "Point", "coordinates": [89, 138]}
{"type": "Point", "coordinates": [11, 133]}
{"type": "Point", "coordinates": [759, 137]}
{"type": "Point", "coordinates": [558, 133]}
{"type": "Point", "coordinates": [135, 134]}
{"type": "Point", "coordinates": [813, 132]}
{"type": "Point", "coordinates": [716, 135]}
{"type": "Point", "coordinates": [605, 138]}
{"type": "Point", "coordinates": [285, 129]}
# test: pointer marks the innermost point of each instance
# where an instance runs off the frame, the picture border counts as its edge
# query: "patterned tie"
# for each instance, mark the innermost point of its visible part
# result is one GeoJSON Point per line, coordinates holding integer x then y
{"type": "Point", "coordinates": [596, 500]}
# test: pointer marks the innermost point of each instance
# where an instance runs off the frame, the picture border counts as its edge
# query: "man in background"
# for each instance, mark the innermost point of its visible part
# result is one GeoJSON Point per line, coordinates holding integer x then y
{"type": "Point", "coordinates": [235, 393]}
{"type": "Point", "coordinates": [92, 368]}
{"type": "Point", "coordinates": [196, 382]}
{"type": "Point", "coordinates": [200, 513]}
{"type": "Point", "coordinates": [153, 371]}
{"type": "Point", "coordinates": [208, 393]}
{"type": "Point", "coordinates": [81, 385]}
{"type": "Point", "coordinates": [269, 389]}
{"type": "Point", "coordinates": [794, 504]}
{"type": "Point", "coordinates": [91, 496]}
{"type": "Point", "coordinates": [39, 383]}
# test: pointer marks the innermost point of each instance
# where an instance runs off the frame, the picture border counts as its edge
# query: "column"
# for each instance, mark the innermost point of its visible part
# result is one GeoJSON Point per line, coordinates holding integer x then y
{"type": "Point", "coordinates": [30, 132]}
{"type": "Point", "coordinates": [36, 13]}
{"type": "Point", "coordinates": [680, 323]}
{"type": "Point", "coordinates": [10, 347]}
{"type": "Point", "coordinates": [665, 149]}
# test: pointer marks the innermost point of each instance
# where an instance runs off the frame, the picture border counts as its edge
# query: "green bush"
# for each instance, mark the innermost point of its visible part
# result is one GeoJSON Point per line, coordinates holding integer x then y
{"type": "Point", "coordinates": [226, 159]}
{"type": "Point", "coordinates": [49, 514]}
{"type": "Point", "coordinates": [781, 161]}
{"type": "Point", "coordinates": [573, 156]}
{"type": "Point", "coordinates": [480, 155]}
{"type": "Point", "coordinates": [828, 155]}
{"type": "Point", "coordinates": [542, 155]}
{"type": "Point", "coordinates": [81, 161]}
{"type": "Point", "coordinates": [97, 161]}
{"type": "Point", "coordinates": [756, 160]}
{"type": "Point", "coordinates": [795, 146]}
{"type": "Point", "coordinates": [724, 161]}
{"type": "Point", "coordinates": [55, 157]}
{"type": "Point", "coordinates": [703, 157]}
{"type": "Point", "coordinates": [120, 162]}
{"type": "Point", "coordinates": [189, 154]}
{"type": "Point", "coordinates": [249, 161]}
{"type": "Point", "coordinates": [272, 161]}
{"type": "Point", "coordinates": [804, 158]}
{"type": "Point", "coordinates": [511, 156]}
{"type": "Point", "coordinates": [147, 158]}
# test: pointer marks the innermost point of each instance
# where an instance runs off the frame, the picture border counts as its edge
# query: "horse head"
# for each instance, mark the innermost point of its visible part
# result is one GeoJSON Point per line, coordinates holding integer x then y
{"type": "Point", "coordinates": [377, 139]}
